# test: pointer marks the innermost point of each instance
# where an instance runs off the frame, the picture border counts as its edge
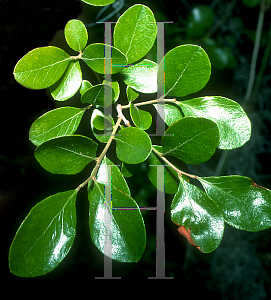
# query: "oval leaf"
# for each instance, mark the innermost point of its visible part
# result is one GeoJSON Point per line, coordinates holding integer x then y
{"type": "Point", "coordinates": [100, 94]}
{"type": "Point", "coordinates": [68, 84]}
{"type": "Point", "coordinates": [199, 216]}
{"type": "Point", "coordinates": [101, 125]}
{"type": "Point", "coordinates": [117, 230]}
{"type": "Point", "coordinates": [45, 236]}
{"type": "Point", "coordinates": [55, 123]}
{"type": "Point", "coordinates": [142, 76]}
{"type": "Point", "coordinates": [66, 155]}
{"type": "Point", "coordinates": [76, 35]}
{"type": "Point", "coordinates": [133, 145]}
{"type": "Point", "coordinates": [41, 67]}
{"type": "Point", "coordinates": [98, 2]}
{"type": "Point", "coordinates": [135, 32]}
{"type": "Point", "coordinates": [95, 57]}
{"type": "Point", "coordinates": [193, 140]}
{"type": "Point", "coordinates": [244, 204]}
{"type": "Point", "coordinates": [141, 118]}
{"type": "Point", "coordinates": [186, 69]}
{"type": "Point", "coordinates": [232, 121]}
{"type": "Point", "coordinates": [171, 112]}
{"type": "Point", "coordinates": [131, 94]}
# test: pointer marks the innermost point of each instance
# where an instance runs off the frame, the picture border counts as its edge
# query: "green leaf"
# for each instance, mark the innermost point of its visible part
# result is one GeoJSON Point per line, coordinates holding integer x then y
{"type": "Point", "coordinates": [232, 121]}
{"type": "Point", "coordinates": [186, 70]}
{"type": "Point", "coordinates": [100, 94]}
{"type": "Point", "coordinates": [193, 140]}
{"type": "Point", "coordinates": [142, 119]}
{"type": "Point", "coordinates": [135, 32]}
{"type": "Point", "coordinates": [133, 145]}
{"type": "Point", "coordinates": [192, 209]}
{"type": "Point", "coordinates": [55, 123]}
{"type": "Point", "coordinates": [98, 2]}
{"type": "Point", "coordinates": [45, 236]}
{"type": "Point", "coordinates": [142, 76]}
{"type": "Point", "coordinates": [85, 85]}
{"type": "Point", "coordinates": [244, 204]}
{"type": "Point", "coordinates": [109, 173]}
{"type": "Point", "coordinates": [115, 86]}
{"type": "Point", "coordinates": [119, 232]}
{"type": "Point", "coordinates": [171, 179]}
{"type": "Point", "coordinates": [131, 94]}
{"type": "Point", "coordinates": [66, 155]}
{"type": "Point", "coordinates": [101, 125]}
{"type": "Point", "coordinates": [172, 112]}
{"type": "Point", "coordinates": [76, 35]}
{"type": "Point", "coordinates": [68, 84]}
{"type": "Point", "coordinates": [94, 57]}
{"type": "Point", "coordinates": [41, 67]}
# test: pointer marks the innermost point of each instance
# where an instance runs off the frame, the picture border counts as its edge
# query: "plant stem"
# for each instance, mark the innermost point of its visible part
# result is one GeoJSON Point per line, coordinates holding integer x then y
{"type": "Point", "coordinates": [180, 172]}
{"type": "Point", "coordinates": [150, 102]}
{"type": "Point", "coordinates": [100, 158]}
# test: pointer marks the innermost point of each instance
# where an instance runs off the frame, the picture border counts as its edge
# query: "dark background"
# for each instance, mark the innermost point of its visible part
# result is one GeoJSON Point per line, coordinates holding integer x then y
{"type": "Point", "coordinates": [241, 266]}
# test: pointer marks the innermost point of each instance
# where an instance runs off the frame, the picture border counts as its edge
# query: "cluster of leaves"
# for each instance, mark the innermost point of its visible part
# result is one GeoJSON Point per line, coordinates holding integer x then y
{"type": "Point", "coordinates": [195, 128]}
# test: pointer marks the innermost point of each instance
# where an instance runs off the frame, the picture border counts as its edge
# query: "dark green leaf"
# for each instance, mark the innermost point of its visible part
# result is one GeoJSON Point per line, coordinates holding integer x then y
{"type": "Point", "coordinates": [101, 125]}
{"type": "Point", "coordinates": [192, 209]}
{"type": "Point", "coordinates": [133, 145]}
{"type": "Point", "coordinates": [233, 123]}
{"type": "Point", "coordinates": [186, 68]}
{"type": "Point", "coordinates": [118, 233]}
{"type": "Point", "coordinates": [142, 76]}
{"type": "Point", "coordinates": [98, 2]}
{"type": "Point", "coordinates": [100, 94]}
{"type": "Point", "coordinates": [55, 123]}
{"type": "Point", "coordinates": [45, 236]}
{"type": "Point", "coordinates": [135, 32]}
{"type": "Point", "coordinates": [76, 35]}
{"type": "Point", "coordinates": [68, 84]}
{"type": "Point", "coordinates": [109, 173]}
{"type": "Point", "coordinates": [142, 119]}
{"type": "Point", "coordinates": [41, 67]}
{"type": "Point", "coordinates": [244, 204]}
{"type": "Point", "coordinates": [193, 140]}
{"type": "Point", "coordinates": [94, 57]}
{"type": "Point", "coordinates": [171, 179]}
{"type": "Point", "coordinates": [66, 155]}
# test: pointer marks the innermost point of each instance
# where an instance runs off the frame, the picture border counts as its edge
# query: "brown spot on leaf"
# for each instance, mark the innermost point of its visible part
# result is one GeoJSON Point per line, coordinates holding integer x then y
{"type": "Point", "coordinates": [187, 234]}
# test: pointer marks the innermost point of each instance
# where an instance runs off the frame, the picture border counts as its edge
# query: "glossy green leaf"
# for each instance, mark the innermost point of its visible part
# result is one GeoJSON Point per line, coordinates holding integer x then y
{"type": "Point", "coordinates": [66, 155]}
{"type": "Point", "coordinates": [133, 145]}
{"type": "Point", "coordinates": [192, 209]}
{"type": "Point", "coordinates": [101, 125]}
{"type": "Point", "coordinates": [85, 85]}
{"type": "Point", "coordinates": [94, 56]}
{"type": "Point", "coordinates": [131, 94]}
{"type": "Point", "coordinates": [135, 32]}
{"type": "Point", "coordinates": [98, 2]}
{"type": "Point", "coordinates": [171, 179]}
{"type": "Point", "coordinates": [41, 67]}
{"type": "Point", "coordinates": [117, 231]}
{"type": "Point", "coordinates": [68, 84]}
{"type": "Point", "coordinates": [244, 204]}
{"type": "Point", "coordinates": [129, 170]}
{"type": "Point", "coordinates": [55, 123]}
{"type": "Point", "coordinates": [100, 94]}
{"type": "Point", "coordinates": [142, 76]}
{"type": "Point", "coordinates": [172, 112]}
{"type": "Point", "coordinates": [191, 139]}
{"type": "Point", "coordinates": [115, 86]}
{"type": "Point", "coordinates": [109, 173]}
{"type": "Point", "coordinates": [76, 35]}
{"type": "Point", "coordinates": [141, 118]}
{"type": "Point", "coordinates": [45, 236]}
{"type": "Point", "coordinates": [186, 70]}
{"type": "Point", "coordinates": [232, 121]}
